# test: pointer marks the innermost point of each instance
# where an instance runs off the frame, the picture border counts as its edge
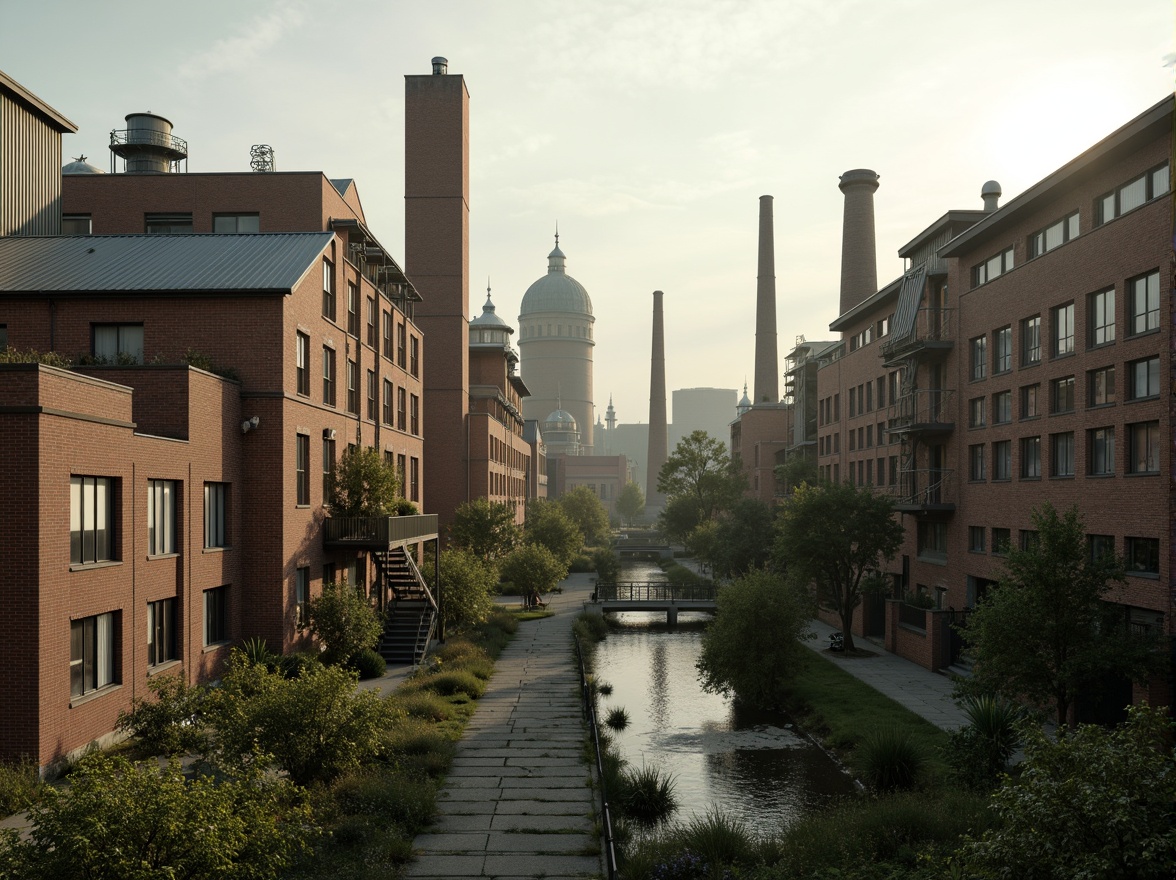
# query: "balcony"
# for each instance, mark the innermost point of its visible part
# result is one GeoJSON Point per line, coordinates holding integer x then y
{"type": "Point", "coordinates": [378, 532]}
{"type": "Point", "coordinates": [924, 490]}
{"type": "Point", "coordinates": [922, 411]}
{"type": "Point", "coordinates": [931, 337]}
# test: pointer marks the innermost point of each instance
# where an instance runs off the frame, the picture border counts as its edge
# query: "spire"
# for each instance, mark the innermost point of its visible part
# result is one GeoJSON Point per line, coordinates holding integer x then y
{"type": "Point", "coordinates": [555, 259]}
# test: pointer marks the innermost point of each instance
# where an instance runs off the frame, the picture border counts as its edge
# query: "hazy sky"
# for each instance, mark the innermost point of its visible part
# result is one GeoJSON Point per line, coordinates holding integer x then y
{"type": "Point", "coordinates": [647, 128]}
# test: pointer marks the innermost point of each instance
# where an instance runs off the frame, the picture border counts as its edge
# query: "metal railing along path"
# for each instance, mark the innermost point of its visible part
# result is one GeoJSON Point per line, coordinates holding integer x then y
{"type": "Point", "coordinates": [589, 705]}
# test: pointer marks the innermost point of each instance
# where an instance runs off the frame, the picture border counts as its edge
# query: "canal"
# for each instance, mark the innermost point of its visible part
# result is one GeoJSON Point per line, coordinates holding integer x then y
{"type": "Point", "coordinates": [749, 764]}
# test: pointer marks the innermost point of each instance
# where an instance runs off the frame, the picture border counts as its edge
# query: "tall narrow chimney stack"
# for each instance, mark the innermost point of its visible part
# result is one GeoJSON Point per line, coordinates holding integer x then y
{"type": "Point", "coordinates": [659, 442]}
{"type": "Point", "coordinates": [767, 370]}
{"type": "Point", "coordinates": [859, 259]}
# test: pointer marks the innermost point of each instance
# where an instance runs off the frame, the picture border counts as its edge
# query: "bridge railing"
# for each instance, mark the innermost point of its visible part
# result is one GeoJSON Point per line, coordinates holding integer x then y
{"type": "Point", "coordinates": [641, 591]}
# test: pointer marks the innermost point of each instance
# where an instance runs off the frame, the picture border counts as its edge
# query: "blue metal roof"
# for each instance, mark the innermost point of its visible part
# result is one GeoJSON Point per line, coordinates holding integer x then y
{"type": "Point", "coordinates": [268, 262]}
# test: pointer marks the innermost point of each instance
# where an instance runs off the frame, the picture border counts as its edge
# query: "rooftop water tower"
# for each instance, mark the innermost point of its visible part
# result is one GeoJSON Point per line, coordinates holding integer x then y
{"type": "Point", "coordinates": [147, 145]}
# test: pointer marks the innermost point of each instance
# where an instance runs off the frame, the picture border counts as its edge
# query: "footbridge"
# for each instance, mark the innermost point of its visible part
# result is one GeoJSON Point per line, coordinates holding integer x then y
{"type": "Point", "coordinates": [653, 596]}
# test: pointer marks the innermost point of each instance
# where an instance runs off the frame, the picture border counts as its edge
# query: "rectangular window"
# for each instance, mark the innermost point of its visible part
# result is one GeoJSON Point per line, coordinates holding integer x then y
{"type": "Point", "coordinates": [976, 539]}
{"type": "Point", "coordinates": [1062, 395]}
{"type": "Point", "coordinates": [402, 409]}
{"type": "Point", "coordinates": [1142, 556]}
{"type": "Point", "coordinates": [837, 407]}
{"type": "Point", "coordinates": [236, 223]}
{"type": "Point", "coordinates": [386, 328]}
{"type": "Point", "coordinates": [216, 616]}
{"type": "Point", "coordinates": [3, 337]}
{"type": "Point", "coordinates": [1031, 341]}
{"type": "Point", "coordinates": [1061, 454]}
{"type": "Point", "coordinates": [1002, 460]}
{"type": "Point", "coordinates": [371, 394]}
{"type": "Point", "coordinates": [1143, 445]}
{"type": "Point", "coordinates": [1063, 330]}
{"type": "Point", "coordinates": [1001, 539]}
{"type": "Point", "coordinates": [1101, 445]}
{"type": "Point", "coordinates": [976, 463]}
{"type": "Point", "coordinates": [328, 290]}
{"type": "Point", "coordinates": [328, 376]}
{"type": "Point", "coordinates": [869, 397]}
{"type": "Point", "coordinates": [92, 650]}
{"type": "Point", "coordinates": [168, 224]}
{"type": "Point", "coordinates": [216, 510]}
{"type": "Point", "coordinates": [302, 469]}
{"type": "Point", "coordinates": [1052, 236]}
{"type": "Point", "coordinates": [414, 356]}
{"type": "Point", "coordinates": [976, 417]}
{"type": "Point", "coordinates": [353, 309]}
{"type": "Point", "coordinates": [1029, 405]}
{"type": "Point", "coordinates": [979, 348]}
{"type": "Point", "coordinates": [1002, 356]}
{"type": "Point", "coordinates": [402, 474]}
{"type": "Point", "coordinates": [1100, 546]}
{"type": "Point", "coordinates": [301, 595]}
{"type": "Point", "coordinates": [893, 470]}
{"type": "Point", "coordinates": [414, 479]}
{"type": "Point", "coordinates": [387, 413]}
{"type": "Point", "coordinates": [993, 267]}
{"type": "Point", "coordinates": [91, 520]}
{"type": "Point", "coordinates": [869, 436]}
{"type": "Point", "coordinates": [1143, 303]}
{"type": "Point", "coordinates": [852, 402]}
{"type": "Point", "coordinates": [1102, 317]}
{"type": "Point", "coordinates": [1101, 390]}
{"type": "Point", "coordinates": [414, 412]}
{"type": "Point", "coordinates": [932, 538]}
{"type": "Point", "coordinates": [1145, 378]}
{"type": "Point", "coordinates": [352, 387]}
{"type": "Point", "coordinates": [1002, 407]}
{"type": "Point", "coordinates": [1029, 539]}
{"type": "Point", "coordinates": [118, 343]}
{"type": "Point", "coordinates": [76, 224]}
{"type": "Point", "coordinates": [302, 359]}
{"type": "Point", "coordinates": [1132, 194]}
{"type": "Point", "coordinates": [161, 632]}
{"type": "Point", "coordinates": [1030, 458]}
{"type": "Point", "coordinates": [853, 441]}
{"type": "Point", "coordinates": [401, 347]}
{"type": "Point", "coordinates": [371, 322]}
{"type": "Point", "coordinates": [328, 465]}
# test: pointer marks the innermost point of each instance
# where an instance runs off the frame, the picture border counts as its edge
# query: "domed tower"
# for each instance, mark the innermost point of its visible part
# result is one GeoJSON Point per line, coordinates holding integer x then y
{"type": "Point", "coordinates": [561, 434]}
{"type": "Point", "coordinates": [555, 347]}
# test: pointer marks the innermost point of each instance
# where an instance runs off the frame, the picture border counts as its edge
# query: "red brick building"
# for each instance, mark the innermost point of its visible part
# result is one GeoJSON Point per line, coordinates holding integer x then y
{"type": "Point", "coordinates": [1023, 357]}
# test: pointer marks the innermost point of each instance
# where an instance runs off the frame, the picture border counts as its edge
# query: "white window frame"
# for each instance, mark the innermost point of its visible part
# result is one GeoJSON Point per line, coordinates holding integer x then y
{"type": "Point", "coordinates": [162, 505]}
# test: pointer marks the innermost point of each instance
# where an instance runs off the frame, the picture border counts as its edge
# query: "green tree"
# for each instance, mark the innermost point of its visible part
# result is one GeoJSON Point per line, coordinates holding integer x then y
{"type": "Point", "coordinates": [119, 820]}
{"type": "Point", "coordinates": [754, 646]}
{"type": "Point", "coordinates": [1046, 631]}
{"type": "Point", "coordinates": [797, 468]}
{"type": "Point", "coordinates": [1095, 803]}
{"type": "Point", "coordinates": [830, 537]}
{"type": "Point", "coordinates": [548, 526]}
{"type": "Point", "coordinates": [468, 581]}
{"type": "Point", "coordinates": [698, 479]}
{"type": "Point", "coordinates": [631, 502]}
{"type": "Point", "coordinates": [742, 538]}
{"type": "Point", "coordinates": [343, 621]}
{"type": "Point", "coordinates": [681, 517]}
{"type": "Point", "coordinates": [485, 528]}
{"type": "Point", "coordinates": [533, 568]}
{"type": "Point", "coordinates": [587, 512]}
{"type": "Point", "coordinates": [363, 484]}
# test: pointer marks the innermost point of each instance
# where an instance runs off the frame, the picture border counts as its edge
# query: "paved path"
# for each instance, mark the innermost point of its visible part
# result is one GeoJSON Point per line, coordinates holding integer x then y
{"type": "Point", "coordinates": [924, 692]}
{"type": "Point", "coordinates": [517, 801]}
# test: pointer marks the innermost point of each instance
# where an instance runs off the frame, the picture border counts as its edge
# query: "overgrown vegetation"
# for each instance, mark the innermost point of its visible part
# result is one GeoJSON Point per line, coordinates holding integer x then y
{"type": "Point", "coordinates": [341, 618]}
{"type": "Point", "coordinates": [20, 786]}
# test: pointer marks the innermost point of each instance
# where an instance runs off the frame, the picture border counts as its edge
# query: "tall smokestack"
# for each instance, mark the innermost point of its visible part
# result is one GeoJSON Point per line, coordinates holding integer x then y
{"type": "Point", "coordinates": [767, 372]}
{"type": "Point", "coordinates": [658, 432]}
{"type": "Point", "coordinates": [859, 260]}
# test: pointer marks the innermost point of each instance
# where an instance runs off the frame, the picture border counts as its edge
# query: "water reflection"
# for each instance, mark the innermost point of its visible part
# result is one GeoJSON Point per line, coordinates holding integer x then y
{"type": "Point", "coordinates": [750, 764]}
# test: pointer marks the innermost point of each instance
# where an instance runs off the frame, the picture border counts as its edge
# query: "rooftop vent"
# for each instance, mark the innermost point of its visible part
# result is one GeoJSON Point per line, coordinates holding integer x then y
{"type": "Point", "coordinates": [440, 66]}
{"type": "Point", "coordinates": [990, 192]}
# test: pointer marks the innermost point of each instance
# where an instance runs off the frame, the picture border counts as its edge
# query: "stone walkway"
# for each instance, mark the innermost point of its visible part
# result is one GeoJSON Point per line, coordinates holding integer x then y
{"type": "Point", "coordinates": [925, 693]}
{"type": "Point", "coordinates": [517, 801]}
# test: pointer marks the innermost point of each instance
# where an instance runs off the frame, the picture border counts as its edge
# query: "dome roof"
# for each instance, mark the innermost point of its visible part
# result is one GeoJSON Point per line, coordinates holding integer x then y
{"type": "Point", "coordinates": [560, 420]}
{"type": "Point", "coordinates": [81, 166]}
{"type": "Point", "coordinates": [556, 291]}
{"type": "Point", "coordinates": [488, 319]}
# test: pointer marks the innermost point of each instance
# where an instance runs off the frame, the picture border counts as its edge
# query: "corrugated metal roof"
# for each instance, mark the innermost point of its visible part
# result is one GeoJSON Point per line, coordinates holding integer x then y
{"type": "Point", "coordinates": [268, 262]}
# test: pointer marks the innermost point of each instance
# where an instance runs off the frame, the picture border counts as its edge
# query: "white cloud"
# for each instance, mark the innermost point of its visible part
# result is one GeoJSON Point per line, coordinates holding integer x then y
{"type": "Point", "coordinates": [251, 41]}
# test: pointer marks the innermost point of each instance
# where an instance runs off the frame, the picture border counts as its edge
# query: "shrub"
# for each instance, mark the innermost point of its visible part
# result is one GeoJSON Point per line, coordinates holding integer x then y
{"type": "Point", "coordinates": [367, 663]}
{"type": "Point", "coordinates": [343, 621]}
{"type": "Point", "coordinates": [447, 684]}
{"type": "Point", "coordinates": [720, 839]}
{"type": "Point", "coordinates": [425, 705]}
{"type": "Point", "coordinates": [889, 760]}
{"type": "Point", "coordinates": [467, 581]}
{"type": "Point", "coordinates": [171, 722]}
{"type": "Point", "coordinates": [20, 786]}
{"type": "Point", "coordinates": [589, 627]}
{"type": "Point", "coordinates": [646, 796]}
{"type": "Point", "coordinates": [386, 796]}
{"type": "Point", "coordinates": [980, 752]}
{"type": "Point", "coordinates": [257, 651]}
{"type": "Point", "coordinates": [608, 567]}
{"type": "Point", "coordinates": [617, 718]}
{"type": "Point", "coordinates": [294, 665]}
{"type": "Point", "coordinates": [581, 564]}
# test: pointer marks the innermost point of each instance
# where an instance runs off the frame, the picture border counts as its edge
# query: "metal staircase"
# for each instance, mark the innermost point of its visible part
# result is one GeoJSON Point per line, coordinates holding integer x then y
{"type": "Point", "coordinates": [411, 616]}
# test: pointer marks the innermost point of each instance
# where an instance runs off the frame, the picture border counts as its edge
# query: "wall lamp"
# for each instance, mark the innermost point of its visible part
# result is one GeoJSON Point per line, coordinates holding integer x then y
{"type": "Point", "coordinates": [250, 425]}
{"type": "Point", "coordinates": [328, 433]}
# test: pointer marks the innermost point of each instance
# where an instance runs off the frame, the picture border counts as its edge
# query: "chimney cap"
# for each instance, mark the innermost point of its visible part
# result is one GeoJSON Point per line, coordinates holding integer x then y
{"type": "Point", "coordinates": [440, 66]}
{"type": "Point", "coordinates": [858, 177]}
{"type": "Point", "coordinates": [990, 192]}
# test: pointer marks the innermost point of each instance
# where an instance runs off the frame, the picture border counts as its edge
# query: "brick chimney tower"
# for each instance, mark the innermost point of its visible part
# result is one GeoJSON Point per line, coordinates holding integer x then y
{"type": "Point", "coordinates": [658, 431]}
{"type": "Point", "coordinates": [859, 259]}
{"type": "Point", "coordinates": [767, 369]}
{"type": "Point", "coordinates": [436, 257]}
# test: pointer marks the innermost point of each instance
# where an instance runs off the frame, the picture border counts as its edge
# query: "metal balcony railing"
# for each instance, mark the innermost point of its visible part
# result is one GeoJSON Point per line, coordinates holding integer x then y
{"type": "Point", "coordinates": [137, 137]}
{"type": "Point", "coordinates": [922, 409]}
{"type": "Point", "coordinates": [379, 531]}
{"type": "Point", "coordinates": [924, 489]}
{"type": "Point", "coordinates": [931, 329]}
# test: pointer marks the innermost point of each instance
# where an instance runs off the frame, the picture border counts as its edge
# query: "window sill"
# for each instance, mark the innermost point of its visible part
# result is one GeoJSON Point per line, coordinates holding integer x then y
{"type": "Point", "coordinates": [216, 646]}
{"type": "Point", "coordinates": [1099, 476]}
{"type": "Point", "coordinates": [216, 549]}
{"type": "Point", "coordinates": [82, 699]}
{"type": "Point", "coordinates": [151, 558]}
{"type": "Point", "coordinates": [1151, 332]}
{"type": "Point", "coordinates": [1030, 365]}
{"type": "Point", "coordinates": [1036, 479]}
{"type": "Point", "coordinates": [1142, 474]}
{"type": "Point", "coordinates": [1091, 406]}
{"type": "Point", "coordinates": [159, 668]}
{"type": "Point", "coordinates": [90, 566]}
{"type": "Point", "coordinates": [934, 560]}
{"type": "Point", "coordinates": [1149, 575]}
{"type": "Point", "coordinates": [302, 507]}
{"type": "Point", "coordinates": [1062, 477]}
{"type": "Point", "coordinates": [1142, 399]}
{"type": "Point", "coordinates": [1096, 346]}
